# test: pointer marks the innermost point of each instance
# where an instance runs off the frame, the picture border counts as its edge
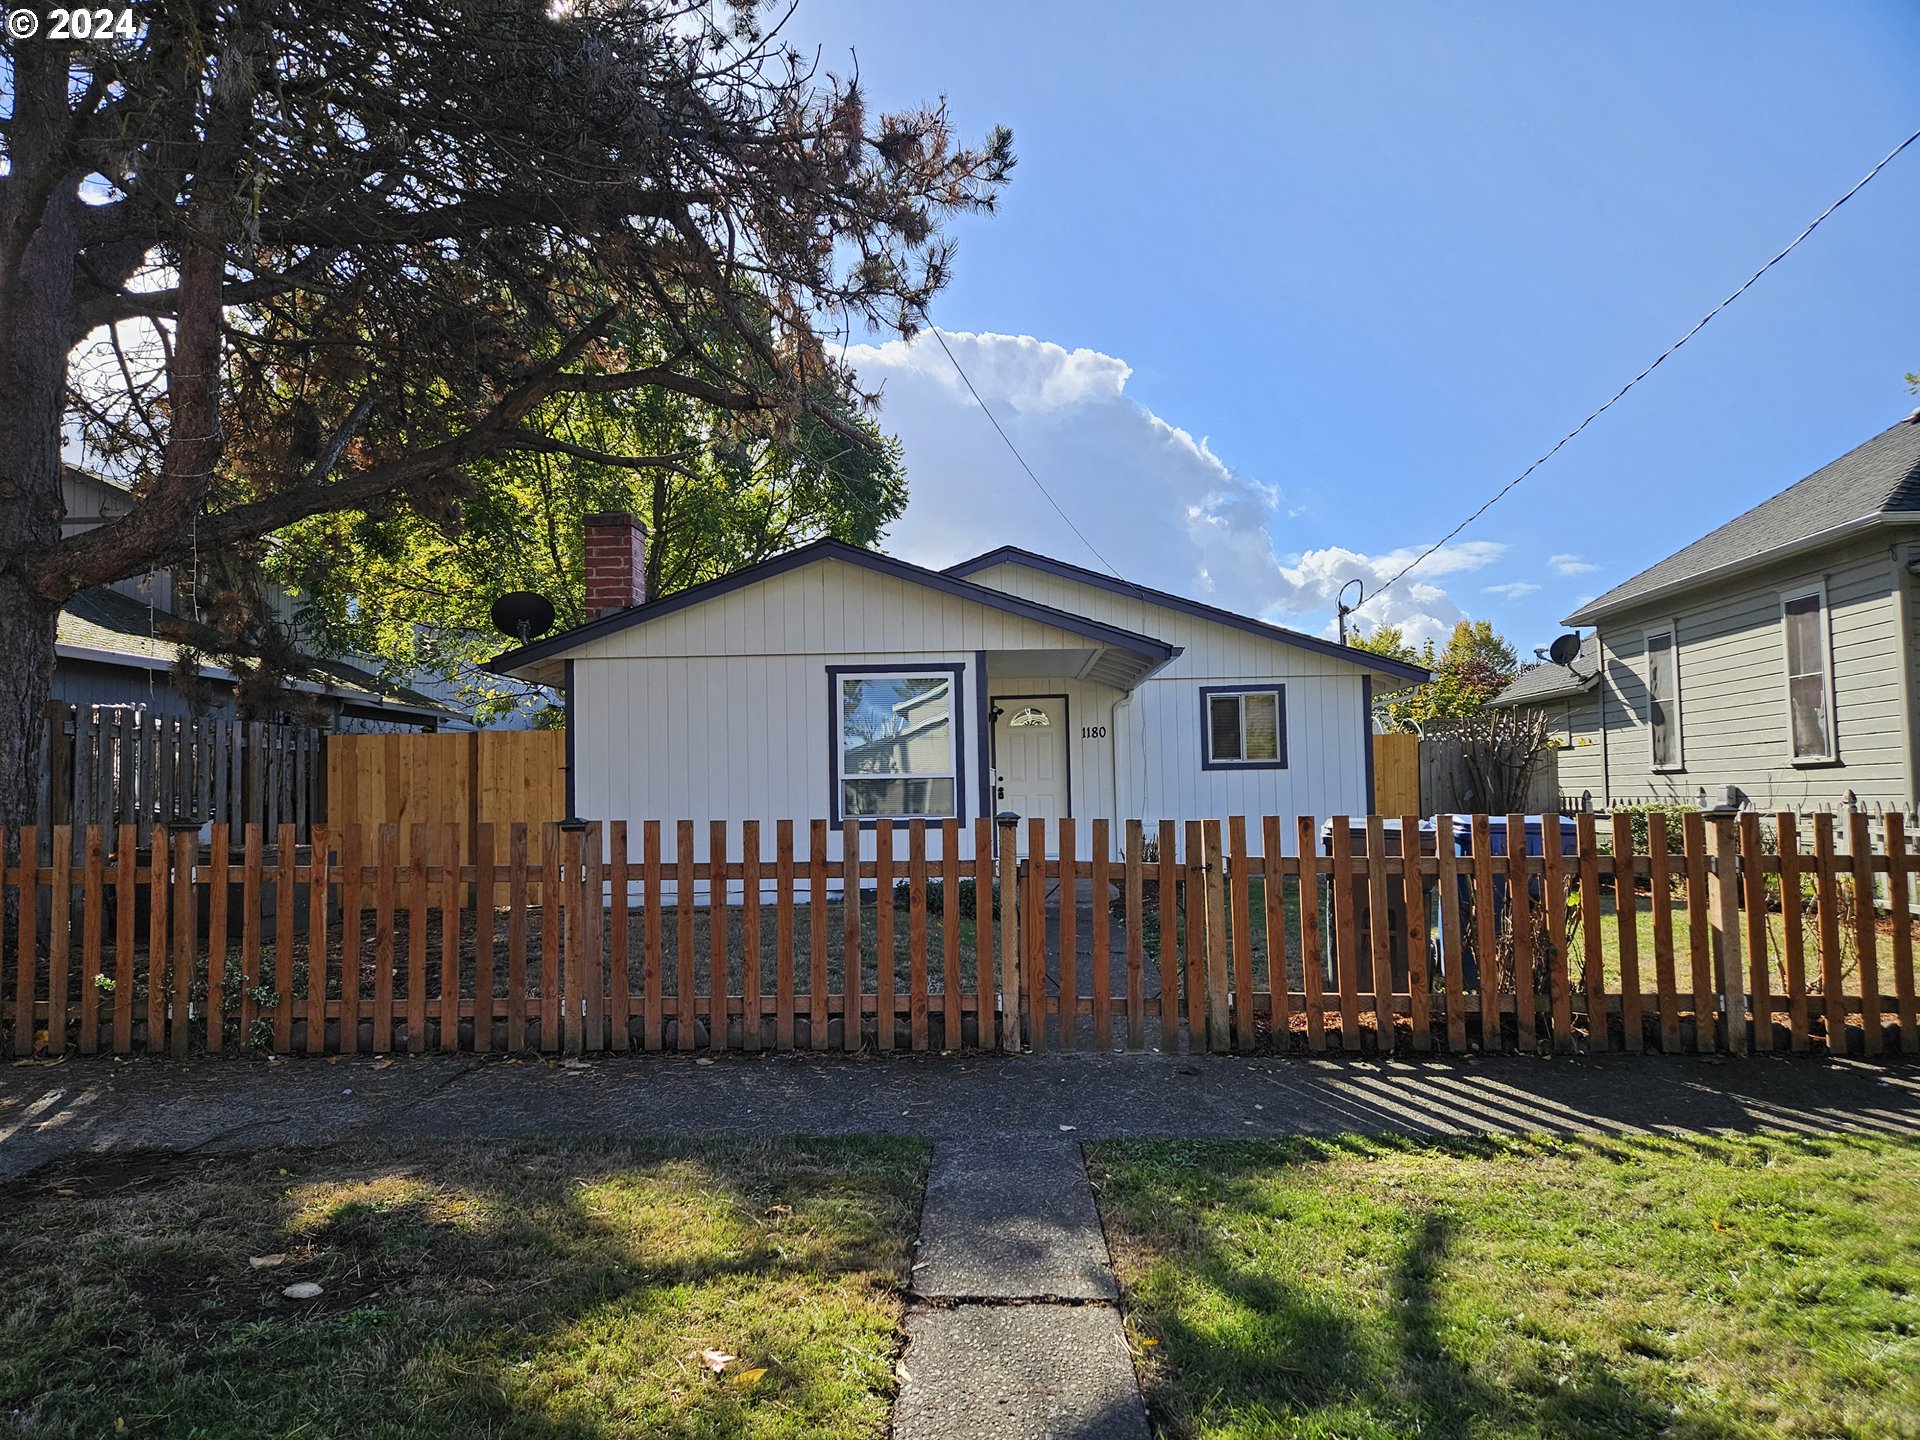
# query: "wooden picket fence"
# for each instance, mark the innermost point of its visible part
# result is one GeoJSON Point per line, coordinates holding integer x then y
{"type": "Point", "coordinates": [1170, 935]}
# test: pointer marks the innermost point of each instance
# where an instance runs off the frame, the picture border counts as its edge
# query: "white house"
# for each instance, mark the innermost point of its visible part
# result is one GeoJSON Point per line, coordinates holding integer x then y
{"type": "Point", "coordinates": [832, 682]}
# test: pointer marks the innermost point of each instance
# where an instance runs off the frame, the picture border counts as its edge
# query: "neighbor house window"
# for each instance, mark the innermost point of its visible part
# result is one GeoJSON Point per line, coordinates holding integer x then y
{"type": "Point", "coordinates": [1809, 674]}
{"type": "Point", "coordinates": [897, 751]}
{"type": "Point", "coordinates": [1243, 727]}
{"type": "Point", "coordinates": [1663, 698]}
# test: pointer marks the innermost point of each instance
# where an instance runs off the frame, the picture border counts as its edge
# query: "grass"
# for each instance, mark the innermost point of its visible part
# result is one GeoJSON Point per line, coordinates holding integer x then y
{"type": "Point", "coordinates": [1369, 1288]}
{"type": "Point", "coordinates": [504, 1290]}
{"type": "Point", "coordinates": [1776, 942]}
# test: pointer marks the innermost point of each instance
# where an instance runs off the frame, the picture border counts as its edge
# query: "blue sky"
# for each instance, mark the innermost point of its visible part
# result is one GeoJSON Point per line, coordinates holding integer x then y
{"type": "Point", "coordinates": [1279, 291]}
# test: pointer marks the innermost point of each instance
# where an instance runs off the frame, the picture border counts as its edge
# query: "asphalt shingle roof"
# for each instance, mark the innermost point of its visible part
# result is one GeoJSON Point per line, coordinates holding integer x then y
{"type": "Point", "coordinates": [113, 623]}
{"type": "Point", "coordinates": [1555, 682]}
{"type": "Point", "coordinates": [1881, 477]}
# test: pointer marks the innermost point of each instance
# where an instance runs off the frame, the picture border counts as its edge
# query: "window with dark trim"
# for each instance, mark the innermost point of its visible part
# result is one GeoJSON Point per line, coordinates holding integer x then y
{"type": "Point", "coordinates": [897, 747]}
{"type": "Point", "coordinates": [1243, 727]}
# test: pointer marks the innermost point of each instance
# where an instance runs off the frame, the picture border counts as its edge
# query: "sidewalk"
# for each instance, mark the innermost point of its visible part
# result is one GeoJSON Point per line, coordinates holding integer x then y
{"type": "Point", "coordinates": [1014, 1329]}
{"type": "Point", "coordinates": [98, 1104]}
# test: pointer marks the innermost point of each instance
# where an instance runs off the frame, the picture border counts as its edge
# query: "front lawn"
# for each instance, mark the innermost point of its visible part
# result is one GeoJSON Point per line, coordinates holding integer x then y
{"type": "Point", "coordinates": [1601, 1287]}
{"type": "Point", "coordinates": [500, 1290]}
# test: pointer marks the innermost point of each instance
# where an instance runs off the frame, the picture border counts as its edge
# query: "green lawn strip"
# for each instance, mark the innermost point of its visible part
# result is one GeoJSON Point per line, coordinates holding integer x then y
{"type": "Point", "coordinates": [1587, 1287]}
{"type": "Point", "coordinates": [506, 1290]}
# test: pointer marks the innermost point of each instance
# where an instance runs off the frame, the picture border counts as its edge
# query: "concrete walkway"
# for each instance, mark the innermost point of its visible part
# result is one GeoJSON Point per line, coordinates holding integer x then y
{"type": "Point", "coordinates": [47, 1111]}
{"type": "Point", "coordinates": [1014, 1332]}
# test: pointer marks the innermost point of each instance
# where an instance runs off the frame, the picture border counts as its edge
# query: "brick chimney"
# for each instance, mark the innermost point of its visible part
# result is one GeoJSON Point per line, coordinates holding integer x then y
{"type": "Point", "coordinates": [616, 562]}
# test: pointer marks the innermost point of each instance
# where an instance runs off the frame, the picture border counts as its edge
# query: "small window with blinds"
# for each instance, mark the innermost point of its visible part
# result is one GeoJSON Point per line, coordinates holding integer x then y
{"type": "Point", "coordinates": [1243, 728]}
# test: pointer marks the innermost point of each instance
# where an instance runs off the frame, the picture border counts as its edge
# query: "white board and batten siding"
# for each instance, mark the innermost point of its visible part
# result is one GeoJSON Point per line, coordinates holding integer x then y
{"type": "Point", "coordinates": [1153, 755]}
{"type": "Point", "coordinates": [1731, 664]}
{"type": "Point", "coordinates": [720, 711]}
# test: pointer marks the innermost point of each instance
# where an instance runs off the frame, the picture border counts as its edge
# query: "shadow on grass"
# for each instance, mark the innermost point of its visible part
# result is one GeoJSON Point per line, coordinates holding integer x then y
{"type": "Point", "coordinates": [1238, 1346]}
{"type": "Point", "coordinates": [523, 1290]}
{"type": "Point", "coordinates": [1453, 1400]}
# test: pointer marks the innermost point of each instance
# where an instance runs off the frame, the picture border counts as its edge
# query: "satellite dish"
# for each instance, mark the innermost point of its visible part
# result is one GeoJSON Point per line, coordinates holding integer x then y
{"type": "Point", "coordinates": [521, 615]}
{"type": "Point", "coordinates": [1565, 650]}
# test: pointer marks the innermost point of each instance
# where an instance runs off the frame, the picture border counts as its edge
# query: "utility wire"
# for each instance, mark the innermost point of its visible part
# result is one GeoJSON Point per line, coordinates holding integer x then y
{"type": "Point", "coordinates": [961, 372]}
{"type": "Point", "coordinates": [1698, 327]}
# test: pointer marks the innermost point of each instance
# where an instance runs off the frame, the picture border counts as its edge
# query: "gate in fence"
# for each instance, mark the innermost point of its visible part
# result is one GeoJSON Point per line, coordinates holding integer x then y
{"type": "Point", "coordinates": [1363, 934]}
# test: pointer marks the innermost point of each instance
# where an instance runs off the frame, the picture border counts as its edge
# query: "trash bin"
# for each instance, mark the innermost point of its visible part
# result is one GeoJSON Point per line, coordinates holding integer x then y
{"type": "Point", "coordinates": [1396, 916]}
{"type": "Point", "coordinates": [1535, 840]}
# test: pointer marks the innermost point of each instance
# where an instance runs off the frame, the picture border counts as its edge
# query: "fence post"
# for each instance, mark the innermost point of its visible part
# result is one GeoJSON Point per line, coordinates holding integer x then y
{"type": "Point", "coordinates": [1219, 1037]}
{"type": "Point", "coordinates": [1034, 934]}
{"type": "Point", "coordinates": [1724, 912]}
{"type": "Point", "coordinates": [1135, 902]}
{"type": "Point", "coordinates": [1009, 824]}
{"type": "Point", "coordinates": [570, 902]}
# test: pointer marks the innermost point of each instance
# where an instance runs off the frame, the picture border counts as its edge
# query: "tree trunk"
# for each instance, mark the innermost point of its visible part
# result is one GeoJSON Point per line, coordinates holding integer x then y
{"type": "Point", "coordinates": [36, 298]}
{"type": "Point", "coordinates": [26, 684]}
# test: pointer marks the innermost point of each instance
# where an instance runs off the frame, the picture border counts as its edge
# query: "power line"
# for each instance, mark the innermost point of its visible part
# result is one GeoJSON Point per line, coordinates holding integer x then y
{"type": "Point", "coordinates": [961, 372]}
{"type": "Point", "coordinates": [1698, 327]}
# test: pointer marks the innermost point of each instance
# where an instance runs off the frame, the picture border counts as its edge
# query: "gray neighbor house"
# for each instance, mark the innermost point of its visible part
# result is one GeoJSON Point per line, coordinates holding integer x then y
{"type": "Point", "coordinates": [1771, 663]}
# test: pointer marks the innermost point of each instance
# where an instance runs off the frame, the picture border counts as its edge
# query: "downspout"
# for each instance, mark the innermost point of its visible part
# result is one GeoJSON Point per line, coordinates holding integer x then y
{"type": "Point", "coordinates": [1120, 808]}
{"type": "Point", "coordinates": [1903, 623]}
{"type": "Point", "coordinates": [1606, 763]}
{"type": "Point", "coordinates": [1366, 735]}
{"type": "Point", "coordinates": [573, 809]}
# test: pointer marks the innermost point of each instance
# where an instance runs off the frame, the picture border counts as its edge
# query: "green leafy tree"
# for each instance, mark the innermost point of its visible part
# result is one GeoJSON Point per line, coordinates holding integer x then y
{"type": "Point", "coordinates": [1476, 664]}
{"type": "Point", "coordinates": [414, 591]}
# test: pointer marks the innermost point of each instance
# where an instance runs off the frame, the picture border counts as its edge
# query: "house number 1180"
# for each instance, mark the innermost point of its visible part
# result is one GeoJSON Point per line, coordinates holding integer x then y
{"type": "Point", "coordinates": [1093, 732]}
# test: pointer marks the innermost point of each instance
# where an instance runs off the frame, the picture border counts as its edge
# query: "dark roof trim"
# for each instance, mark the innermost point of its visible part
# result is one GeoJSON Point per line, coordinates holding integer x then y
{"type": "Point", "coordinates": [359, 697]}
{"type": "Point", "coordinates": [1157, 652]}
{"type": "Point", "coordinates": [1595, 611]}
{"type": "Point", "coordinates": [1366, 660]}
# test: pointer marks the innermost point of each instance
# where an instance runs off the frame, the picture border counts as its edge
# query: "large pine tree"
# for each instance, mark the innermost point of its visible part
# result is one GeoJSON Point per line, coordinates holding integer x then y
{"type": "Point", "coordinates": [276, 261]}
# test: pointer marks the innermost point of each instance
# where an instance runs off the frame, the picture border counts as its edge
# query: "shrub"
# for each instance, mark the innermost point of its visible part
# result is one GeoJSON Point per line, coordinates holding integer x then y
{"type": "Point", "coordinates": [1637, 814]}
{"type": "Point", "coordinates": [936, 897]}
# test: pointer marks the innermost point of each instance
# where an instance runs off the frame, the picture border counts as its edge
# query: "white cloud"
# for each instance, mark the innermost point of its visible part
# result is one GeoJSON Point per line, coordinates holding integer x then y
{"type": "Point", "coordinates": [1571, 565]}
{"type": "Point", "coordinates": [1512, 590]}
{"type": "Point", "coordinates": [1159, 504]}
{"type": "Point", "coordinates": [1420, 608]}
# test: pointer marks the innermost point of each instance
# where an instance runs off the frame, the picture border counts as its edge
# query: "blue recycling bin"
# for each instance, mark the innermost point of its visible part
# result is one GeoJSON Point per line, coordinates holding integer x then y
{"type": "Point", "coordinates": [1497, 841]}
{"type": "Point", "coordinates": [1395, 919]}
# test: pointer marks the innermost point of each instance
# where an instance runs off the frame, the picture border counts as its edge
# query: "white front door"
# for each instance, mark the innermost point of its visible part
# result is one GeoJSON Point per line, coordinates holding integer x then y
{"type": "Point", "coordinates": [1030, 756]}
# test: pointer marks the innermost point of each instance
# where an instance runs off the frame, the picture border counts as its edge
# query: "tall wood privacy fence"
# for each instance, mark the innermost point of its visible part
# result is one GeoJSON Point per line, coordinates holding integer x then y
{"type": "Point", "coordinates": [109, 766]}
{"type": "Point", "coordinates": [1756, 934]}
{"type": "Point", "coordinates": [1396, 773]}
{"type": "Point", "coordinates": [470, 779]}
{"type": "Point", "coordinates": [1431, 772]}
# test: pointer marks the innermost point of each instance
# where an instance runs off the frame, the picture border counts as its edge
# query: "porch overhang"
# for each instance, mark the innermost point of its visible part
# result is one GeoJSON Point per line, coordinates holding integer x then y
{"type": "Point", "coordinates": [1122, 668]}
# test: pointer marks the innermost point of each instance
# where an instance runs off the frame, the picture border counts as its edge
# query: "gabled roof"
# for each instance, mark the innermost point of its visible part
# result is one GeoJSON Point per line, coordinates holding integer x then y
{"type": "Point", "coordinates": [1151, 652]}
{"type": "Point", "coordinates": [1874, 484]}
{"type": "Point", "coordinates": [1014, 555]}
{"type": "Point", "coordinates": [1549, 681]}
{"type": "Point", "coordinates": [107, 627]}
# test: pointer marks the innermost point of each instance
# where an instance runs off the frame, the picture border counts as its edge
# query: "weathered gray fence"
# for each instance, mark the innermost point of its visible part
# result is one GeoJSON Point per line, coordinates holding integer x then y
{"type": "Point", "coordinates": [112, 765]}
